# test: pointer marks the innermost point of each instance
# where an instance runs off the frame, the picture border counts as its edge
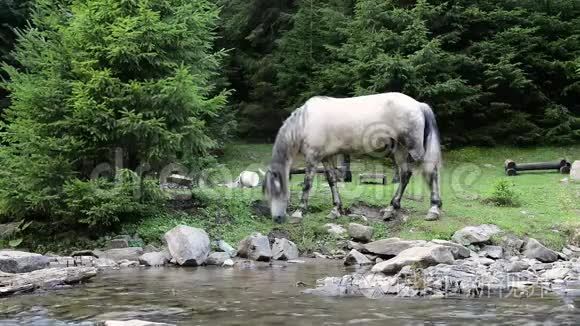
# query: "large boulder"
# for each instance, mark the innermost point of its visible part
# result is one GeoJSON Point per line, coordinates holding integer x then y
{"type": "Point", "coordinates": [459, 251]}
{"type": "Point", "coordinates": [217, 258]}
{"type": "Point", "coordinates": [421, 256]}
{"type": "Point", "coordinates": [255, 247]}
{"type": "Point", "coordinates": [356, 258]}
{"type": "Point", "coordinates": [159, 258]}
{"type": "Point", "coordinates": [21, 261]}
{"type": "Point", "coordinates": [575, 172]}
{"type": "Point", "coordinates": [187, 245]}
{"type": "Point", "coordinates": [47, 278]}
{"type": "Point", "coordinates": [535, 250]}
{"type": "Point", "coordinates": [475, 234]}
{"type": "Point", "coordinates": [359, 232]}
{"type": "Point", "coordinates": [131, 253]}
{"type": "Point", "coordinates": [391, 247]}
{"type": "Point", "coordinates": [284, 249]}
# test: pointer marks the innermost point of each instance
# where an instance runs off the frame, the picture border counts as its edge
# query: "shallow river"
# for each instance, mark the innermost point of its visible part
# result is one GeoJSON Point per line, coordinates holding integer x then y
{"type": "Point", "coordinates": [262, 295]}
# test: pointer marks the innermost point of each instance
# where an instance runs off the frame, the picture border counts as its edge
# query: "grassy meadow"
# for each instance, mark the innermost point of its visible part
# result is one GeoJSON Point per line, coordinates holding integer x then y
{"type": "Point", "coordinates": [543, 207]}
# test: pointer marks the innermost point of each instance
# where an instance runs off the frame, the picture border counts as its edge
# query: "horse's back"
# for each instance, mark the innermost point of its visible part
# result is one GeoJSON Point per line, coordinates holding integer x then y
{"type": "Point", "coordinates": [346, 124]}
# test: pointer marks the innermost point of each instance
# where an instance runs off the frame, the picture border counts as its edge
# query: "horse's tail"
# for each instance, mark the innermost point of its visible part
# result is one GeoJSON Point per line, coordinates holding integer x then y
{"type": "Point", "coordinates": [431, 141]}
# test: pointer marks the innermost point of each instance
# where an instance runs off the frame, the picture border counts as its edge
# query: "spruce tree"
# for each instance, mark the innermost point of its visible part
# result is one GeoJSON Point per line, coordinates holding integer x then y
{"type": "Point", "coordinates": [96, 76]}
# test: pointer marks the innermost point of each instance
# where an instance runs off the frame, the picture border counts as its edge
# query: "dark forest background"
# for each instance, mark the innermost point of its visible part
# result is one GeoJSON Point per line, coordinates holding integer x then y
{"type": "Point", "coordinates": [174, 80]}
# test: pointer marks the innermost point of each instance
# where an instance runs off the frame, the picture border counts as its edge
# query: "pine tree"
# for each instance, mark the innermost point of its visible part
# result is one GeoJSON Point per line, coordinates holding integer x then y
{"type": "Point", "coordinates": [101, 75]}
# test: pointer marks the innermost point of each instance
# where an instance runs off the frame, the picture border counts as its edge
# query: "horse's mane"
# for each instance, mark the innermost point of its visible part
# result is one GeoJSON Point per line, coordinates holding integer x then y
{"type": "Point", "coordinates": [289, 136]}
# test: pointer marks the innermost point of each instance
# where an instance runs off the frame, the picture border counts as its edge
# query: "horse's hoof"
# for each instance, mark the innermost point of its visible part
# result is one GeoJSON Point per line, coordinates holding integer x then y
{"type": "Point", "coordinates": [334, 214]}
{"type": "Point", "coordinates": [296, 217]}
{"type": "Point", "coordinates": [433, 214]}
{"type": "Point", "coordinates": [389, 213]}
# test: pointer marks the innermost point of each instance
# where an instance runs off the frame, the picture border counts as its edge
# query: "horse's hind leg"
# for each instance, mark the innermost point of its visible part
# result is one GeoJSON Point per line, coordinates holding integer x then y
{"type": "Point", "coordinates": [331, 170]}
{"type": "Point", "coordinates": [405, 173]}
{"type": "Point", "coordinates": [431, 175]}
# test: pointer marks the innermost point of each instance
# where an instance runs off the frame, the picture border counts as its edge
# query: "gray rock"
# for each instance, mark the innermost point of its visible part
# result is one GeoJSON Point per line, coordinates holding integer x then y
{"type": "Point", "coordinates": [217, 258]}
{"type": "Point", "coordinates": [255, 247]}
{"type": "Point", "coordinates": [421, 256]}
{"type": "Point", "coordinates": [511, 244]}
{"type": "Point", "coordinates": [517, 266]}
{"type": "Point", "coordinates": [493, 252]}
{"type": "Point", "coordinates": [284, 249]}
{"type": "Point", "coordinates": [356, 246]}
{"type": "Point", "coordinates": [228, 263]}
{"type": "Point", "coordinates": [475, 234]}
{"type": "Point", "coordinates": [335, 230]}
{"type": "Point", "coordinates": [356, 258]}
{"type": "Point", "coordinates": [21, 261]}
{"type": "Point", "coordinates": [225, 247]}
{"type": "Point", "coordinates": [535, 250]}
{"type": "Point", "coordinates": [392, 246]}
{"type": "Point", "coordinates": [47, 278]}
{"type": "Point", "coordinates": [159, 258]}
{"type": "Point", "coordinates": [459, 251]}
{"type": "Point", "coordinates": [359, 232]}
{"type": "Point", "coordinates": [118, 243]}
{"type": "Point", "coordinates": [188, 246]}
{"type": "Point", "coordinates": [131, 253]}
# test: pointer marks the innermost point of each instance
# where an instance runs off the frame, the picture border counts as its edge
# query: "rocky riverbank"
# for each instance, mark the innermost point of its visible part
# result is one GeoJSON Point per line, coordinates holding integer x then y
{"type": "Point", "coordinates": [22, 271]}
{"type": "Point", "coordinates": [469, 265]}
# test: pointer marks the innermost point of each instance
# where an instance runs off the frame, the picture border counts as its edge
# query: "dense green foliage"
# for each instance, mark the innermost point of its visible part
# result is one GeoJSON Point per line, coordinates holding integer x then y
{"type": "Point", "coordinates": [103, 77]}
{"type": "Point", "coordinates": [505, 71]}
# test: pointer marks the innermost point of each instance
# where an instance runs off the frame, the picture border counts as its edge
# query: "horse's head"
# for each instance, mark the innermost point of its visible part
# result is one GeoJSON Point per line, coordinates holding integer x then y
{"type": "Point", "coordinates": [275, 189]}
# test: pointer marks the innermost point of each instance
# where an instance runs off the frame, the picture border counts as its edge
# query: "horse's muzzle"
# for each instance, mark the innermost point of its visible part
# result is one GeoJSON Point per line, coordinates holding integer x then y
{"type": "Point", "coordinates": [279, 219]}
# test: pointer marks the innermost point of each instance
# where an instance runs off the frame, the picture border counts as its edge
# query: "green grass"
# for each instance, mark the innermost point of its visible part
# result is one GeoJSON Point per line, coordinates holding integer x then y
{"type": "Point", "coordinates": [546, 208]}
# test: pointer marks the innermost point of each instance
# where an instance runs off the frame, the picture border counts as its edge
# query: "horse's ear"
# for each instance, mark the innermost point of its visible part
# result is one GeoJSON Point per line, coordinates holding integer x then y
{"type": "Point", "coordinates": [265, 183]}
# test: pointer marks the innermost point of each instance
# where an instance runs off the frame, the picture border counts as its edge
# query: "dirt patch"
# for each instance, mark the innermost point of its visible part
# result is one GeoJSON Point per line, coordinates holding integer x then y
{"type": "Point", "coordinates": [370, 212]}
{"type": "Point", "coordinates": [260, 208]}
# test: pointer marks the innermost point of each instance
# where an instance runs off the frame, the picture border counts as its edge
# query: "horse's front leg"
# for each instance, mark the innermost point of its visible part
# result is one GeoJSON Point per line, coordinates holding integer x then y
{"type": "Point", "coordinates": [405, 173]}
{"type": "Point", "coordinates": [330, 170]}
{"type": "Point", "coordinates": [308, 178]}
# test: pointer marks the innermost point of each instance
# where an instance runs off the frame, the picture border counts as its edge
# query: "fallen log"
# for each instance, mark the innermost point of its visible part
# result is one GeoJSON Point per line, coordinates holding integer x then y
{"type": "Point", "coordinates": [12, 283]}
{"type": "Point", "coordinates": [512, 168]}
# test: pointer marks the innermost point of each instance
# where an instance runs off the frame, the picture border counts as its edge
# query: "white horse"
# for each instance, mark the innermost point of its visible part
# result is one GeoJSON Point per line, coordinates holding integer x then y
{"type": "Point", "coordinates": [324, 127]}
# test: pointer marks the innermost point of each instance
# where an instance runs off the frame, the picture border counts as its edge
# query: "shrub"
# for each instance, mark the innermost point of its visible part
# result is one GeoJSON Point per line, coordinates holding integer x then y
{"type": "Point", "coordinates": [503, 194]}
{"type": "Point", "coordinates": [102, 203]}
